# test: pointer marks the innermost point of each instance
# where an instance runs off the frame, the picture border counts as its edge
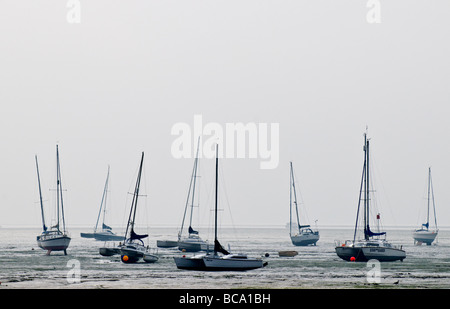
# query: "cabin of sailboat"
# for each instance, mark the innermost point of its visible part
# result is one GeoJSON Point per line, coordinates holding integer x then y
{"type": "Point", "coordinates": [425, 234]}
{"type": "Point", "coordinates": [374, 244]}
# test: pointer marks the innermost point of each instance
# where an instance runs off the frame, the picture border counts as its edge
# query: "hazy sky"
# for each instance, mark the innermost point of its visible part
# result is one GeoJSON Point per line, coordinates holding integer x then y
{"type": "Point", "coordinates": [115, 84]}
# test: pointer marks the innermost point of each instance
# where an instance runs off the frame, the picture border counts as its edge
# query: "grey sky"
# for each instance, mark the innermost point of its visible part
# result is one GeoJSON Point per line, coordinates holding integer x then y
{"type": "Point", "coordinates": [115, 84]}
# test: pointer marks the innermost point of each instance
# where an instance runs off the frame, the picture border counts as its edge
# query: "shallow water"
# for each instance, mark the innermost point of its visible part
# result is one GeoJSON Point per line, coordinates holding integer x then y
{"type": "Point", "coordinates": [24, 265]}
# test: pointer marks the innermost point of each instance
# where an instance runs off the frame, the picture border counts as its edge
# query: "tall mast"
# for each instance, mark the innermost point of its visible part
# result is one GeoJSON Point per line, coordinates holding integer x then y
{"type": "Point", "coordinates": [367, 188]}
{"type": "Point", "coordinates": [290, 200]}
{"type": "Point", "coordinates": [295, 198]}
{"type": "Point", "coordinates": [434, 206]}
{"type": "Point", "coordinates": [428, 204]}
{"type": "Point", "coordinates": [195, 178]}
{"type": "Point", "coordinates": [217, 246]}
{"type": "Point", "coordinates": [103, 202]}
{"type": "Point", "coordinates": [132, 216]}
{"type": "Point", "coordinates": [40, 195]}
{"type": "Point", "coordinates": [217, 181]}
{"type": "Point", "coordinates": [59, 190]}
{"type": "Point", "coordinates": [359, 199]}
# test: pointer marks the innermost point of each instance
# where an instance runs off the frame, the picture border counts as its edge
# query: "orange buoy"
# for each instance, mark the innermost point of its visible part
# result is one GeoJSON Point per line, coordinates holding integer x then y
{"type": "Point", "coordinates": [125, 258]}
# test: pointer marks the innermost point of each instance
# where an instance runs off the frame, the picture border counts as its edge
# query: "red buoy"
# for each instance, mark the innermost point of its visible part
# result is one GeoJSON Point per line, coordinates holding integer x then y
{"type": "Point", "coordinates": [352, 259]}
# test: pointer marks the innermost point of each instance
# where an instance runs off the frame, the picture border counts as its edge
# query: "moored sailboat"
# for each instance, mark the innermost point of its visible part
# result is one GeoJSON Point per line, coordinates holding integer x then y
{"type": "Point", "coordinates": [425, 234]}
{"type": "Point", "coordinates": [105, 233]}
{"type": "Point", "coordinates": [373, 246]}
{"type": "Point", "coordinates": [133, 249]}
{"type": "Point", "coordinates": [304, 235]}
{"type": "Point", "coordinates": [192, 242]}
{"type": "Point", "coordinates": [220, 259]}
{"type": "Point", "coordinates": [56, 238]}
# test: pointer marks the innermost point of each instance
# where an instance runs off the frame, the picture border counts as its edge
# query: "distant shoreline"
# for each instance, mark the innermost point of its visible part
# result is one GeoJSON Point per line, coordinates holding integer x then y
{"type": "Point", "coordinates": [325, 227]}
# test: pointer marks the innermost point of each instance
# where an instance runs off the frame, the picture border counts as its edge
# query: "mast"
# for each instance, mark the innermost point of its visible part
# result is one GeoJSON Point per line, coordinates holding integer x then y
{"type": "Point", "coordinates": [215, 210]}
{"type": "Point", "coordinates": [366, 191]}
{"type": "Point", "coordinates": [193, 188]}
{"type": "Point", "coordinates": [132, 216]}
{"type": "Point", "coordinates": [40, 195]}
{"type": "Point", "coordinates": [367, 232]}
{"type": "Point", "coordinates": [193, 178]}
{"type": "Point", "coordinates": [434, 206]}
{"type": "Point", "coordinates": [290, 201]}
{"type": "Point", "coordinates": [359, 199]}
{"type": "Point", "coordinates": [103, 202]}
{"type": "Point", "coordinates": [217, 246]}
{"type": "Point", "coordinates": [295, 199]}
{"type": "Point", "coordinates": [59, 190]}
{"type": "Point", "coordinates": [428, 199]}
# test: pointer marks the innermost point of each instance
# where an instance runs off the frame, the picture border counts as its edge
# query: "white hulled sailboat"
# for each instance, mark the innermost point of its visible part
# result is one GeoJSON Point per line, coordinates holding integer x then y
{"type": "Point", "coordinates": [55, 238]}
{"type": "Point", "coordinates": [424, 234]}
{"type": "Point", "coordinates": [192, 242]}
{"type": "Point", "coordinates": [305, 235]}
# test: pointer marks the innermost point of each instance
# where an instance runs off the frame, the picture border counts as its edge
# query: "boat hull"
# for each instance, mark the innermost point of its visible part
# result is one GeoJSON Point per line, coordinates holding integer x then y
{"type": "Point", "coordinates": [108, 251]}
{"type": "Point", "coordinates": [223, 264]}
{"type": "Point", "coordinates": [191, 263]}
{"type": "Point", "coordinates": [130, 255]}
{"type": "Point", "coordinates": [189, 246]}
{"type": "Point", "coordinates": [87, 235]}
{"type": "Point", "coordinates": [108, 237]}
{"type": "Point", "coordinates": [166, 243]}
{"type": "Point", "coordinates": [426, 237]}
{"type": "Point", "coordinates": [216, 263]}
{"type": "Point", "coordinates": [305, 239]}
{"type": "Point", "coordinates": [57, 243]}
{"type": "Point", "coordinates": [384, 254]}
{"type": "Point", "coordinates": [150, 258]}
{"type": "Point", "coordinates": [364, 254]}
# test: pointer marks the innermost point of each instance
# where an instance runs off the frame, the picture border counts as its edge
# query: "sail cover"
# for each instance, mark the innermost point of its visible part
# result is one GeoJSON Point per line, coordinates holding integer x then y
{"type": "Point", "coordinates": [192, 231]}
{"type": "Point", "coordinates": [370, 233]}
{"type": "Point", "coordinates": [218, 247]}
{"type": "Point", "coordinates": [133, 235]}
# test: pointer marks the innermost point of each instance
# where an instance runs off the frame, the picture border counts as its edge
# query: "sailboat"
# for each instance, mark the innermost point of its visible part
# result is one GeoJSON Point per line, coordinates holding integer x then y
{"type": "Point", "coordinates": [193, 242]}
{"type": "Point", "coordinates": [424, 234]}
{"type": "Point", "coordinates": [106, 233]}
{"type": "Point", "coordinates": [55, 238]}
{"type": "Point", "coordinates": [373, 246]}
{"type": "Point", "coordinates": [220, 259]}
{"type": "Point", "coordinates": [133, 248]}
{"type": "Point", "coordinates": [305, 235]}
